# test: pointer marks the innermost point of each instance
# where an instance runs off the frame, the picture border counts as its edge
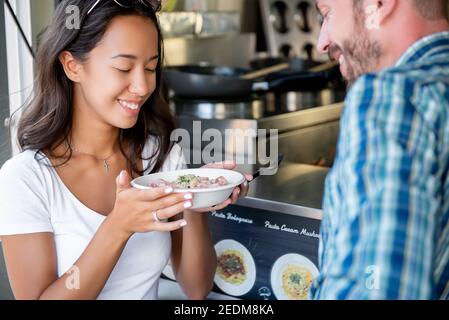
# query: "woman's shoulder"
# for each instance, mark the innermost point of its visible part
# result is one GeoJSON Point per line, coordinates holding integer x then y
{"type": "Point", "coordinates": [175, 159]}
{"type": "Point", "coordinates": [24, 195]}
{"type": "Point", "coordinates": [152, 145]}
{"type": "Point", "coordinates": [27, 164]}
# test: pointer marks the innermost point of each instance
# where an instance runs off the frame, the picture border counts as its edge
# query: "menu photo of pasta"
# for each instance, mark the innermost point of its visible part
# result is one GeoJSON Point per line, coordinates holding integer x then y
{"type": "Point", "coordinates": [292, 276]}
{"type": "Point", "coordinates": [236, 269]}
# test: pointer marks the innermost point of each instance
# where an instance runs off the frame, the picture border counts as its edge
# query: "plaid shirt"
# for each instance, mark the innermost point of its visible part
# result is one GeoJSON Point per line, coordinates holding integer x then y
{"type": "Point", "coordinates": [385, 230]}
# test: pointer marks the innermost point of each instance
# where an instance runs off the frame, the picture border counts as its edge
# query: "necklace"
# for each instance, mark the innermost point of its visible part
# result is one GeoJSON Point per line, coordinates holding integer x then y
{"type": "Point", "coordinates": [106, 165]}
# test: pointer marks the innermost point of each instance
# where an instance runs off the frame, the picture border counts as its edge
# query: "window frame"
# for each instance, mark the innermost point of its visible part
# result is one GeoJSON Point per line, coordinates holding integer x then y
{"type": "Point", "coordinates": [19, 59]}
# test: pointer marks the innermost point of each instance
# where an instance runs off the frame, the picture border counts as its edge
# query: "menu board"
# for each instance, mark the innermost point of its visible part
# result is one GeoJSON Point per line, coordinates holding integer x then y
{"type": "Point", "coordinates": [264, 255]}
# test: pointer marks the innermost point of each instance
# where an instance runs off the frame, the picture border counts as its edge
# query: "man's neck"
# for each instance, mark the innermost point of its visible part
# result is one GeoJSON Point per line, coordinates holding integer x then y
{"type": "Point", "coordinates": [404, 40]}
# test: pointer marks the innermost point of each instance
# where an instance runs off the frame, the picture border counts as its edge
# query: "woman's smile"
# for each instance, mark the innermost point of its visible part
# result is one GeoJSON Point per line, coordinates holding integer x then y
{"type": "Point", "coordinates": [131, 107]}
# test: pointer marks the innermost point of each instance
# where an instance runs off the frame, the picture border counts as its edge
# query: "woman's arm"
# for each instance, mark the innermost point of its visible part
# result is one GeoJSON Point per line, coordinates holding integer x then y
{"type": "Point", "coordinates": [193, 256]}
{"type": "Point", "coordinates": [32, 265]}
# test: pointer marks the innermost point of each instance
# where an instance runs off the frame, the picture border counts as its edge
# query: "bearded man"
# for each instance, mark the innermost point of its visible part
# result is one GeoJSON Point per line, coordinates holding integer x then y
{"type": "Point", "coordinates": [385, 228]}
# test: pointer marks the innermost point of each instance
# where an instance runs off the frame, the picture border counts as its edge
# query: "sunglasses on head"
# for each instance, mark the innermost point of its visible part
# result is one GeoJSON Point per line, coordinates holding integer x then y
{"type": "Point", "coordinates": [153, 4]}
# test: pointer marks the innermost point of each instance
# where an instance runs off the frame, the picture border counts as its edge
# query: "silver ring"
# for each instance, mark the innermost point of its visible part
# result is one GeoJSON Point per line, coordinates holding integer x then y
{"type": "Point", "coordinates": [156, 217]}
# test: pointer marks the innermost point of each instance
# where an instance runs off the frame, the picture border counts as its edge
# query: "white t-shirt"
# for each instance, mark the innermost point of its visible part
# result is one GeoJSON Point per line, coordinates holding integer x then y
{"type": "Point", "coordinates": [34, 199]}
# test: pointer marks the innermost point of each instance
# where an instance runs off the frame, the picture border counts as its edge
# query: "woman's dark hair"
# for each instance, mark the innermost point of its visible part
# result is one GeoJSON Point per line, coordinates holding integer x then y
{"type": "Point", "coordinates": [47, 120]}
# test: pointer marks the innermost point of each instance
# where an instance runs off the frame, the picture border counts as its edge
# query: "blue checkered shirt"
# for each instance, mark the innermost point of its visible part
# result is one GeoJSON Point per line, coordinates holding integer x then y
{"type": "Point", "coordinates": [385, 229]}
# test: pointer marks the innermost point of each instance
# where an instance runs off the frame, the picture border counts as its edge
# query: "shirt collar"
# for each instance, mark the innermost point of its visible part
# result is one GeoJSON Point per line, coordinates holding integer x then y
{"type": "Point", "coordinates": [426, 47]}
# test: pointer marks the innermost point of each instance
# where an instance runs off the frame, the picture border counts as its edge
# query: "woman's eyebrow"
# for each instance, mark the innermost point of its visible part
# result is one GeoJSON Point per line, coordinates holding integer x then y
{"type": "Point", "coordinates": [132, 57]}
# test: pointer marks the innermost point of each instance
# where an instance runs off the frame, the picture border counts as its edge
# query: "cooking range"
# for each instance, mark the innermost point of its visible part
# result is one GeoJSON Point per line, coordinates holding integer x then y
{"type": "Point", "coordinates": [305, 120]}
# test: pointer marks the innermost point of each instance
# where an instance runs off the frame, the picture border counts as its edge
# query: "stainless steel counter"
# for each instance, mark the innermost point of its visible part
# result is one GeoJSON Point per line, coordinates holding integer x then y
{"type": "Point", "coordinates": [296, 189]}
{"type": "Point", "coordinates": [307, 138]}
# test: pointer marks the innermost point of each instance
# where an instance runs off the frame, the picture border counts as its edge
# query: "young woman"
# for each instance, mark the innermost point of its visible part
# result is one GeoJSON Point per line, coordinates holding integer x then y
{"type": "Point", "coordinates": [71, 225]}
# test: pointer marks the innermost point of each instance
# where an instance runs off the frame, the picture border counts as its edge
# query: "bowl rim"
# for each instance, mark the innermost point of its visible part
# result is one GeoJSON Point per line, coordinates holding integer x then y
{"type": "Point", "coordinates": [197, 190]}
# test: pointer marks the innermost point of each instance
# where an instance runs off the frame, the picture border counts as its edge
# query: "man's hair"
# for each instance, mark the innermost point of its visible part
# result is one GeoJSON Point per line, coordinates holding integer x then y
{"type": "Point", "coordinates": [433, 9]}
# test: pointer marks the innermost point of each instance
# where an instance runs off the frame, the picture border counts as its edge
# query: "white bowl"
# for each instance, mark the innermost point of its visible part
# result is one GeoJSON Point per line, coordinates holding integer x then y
{"type": "Point", "coordinates": [202, 197]}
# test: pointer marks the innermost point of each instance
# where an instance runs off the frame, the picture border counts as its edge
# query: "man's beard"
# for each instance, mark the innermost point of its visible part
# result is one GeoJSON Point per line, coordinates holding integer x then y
{"type": "Point", "coordinates": [360, 52]}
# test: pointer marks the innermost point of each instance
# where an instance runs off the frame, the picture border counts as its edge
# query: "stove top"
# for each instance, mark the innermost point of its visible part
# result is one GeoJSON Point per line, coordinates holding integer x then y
{"type": "Point", "coordinates": [254, 107]}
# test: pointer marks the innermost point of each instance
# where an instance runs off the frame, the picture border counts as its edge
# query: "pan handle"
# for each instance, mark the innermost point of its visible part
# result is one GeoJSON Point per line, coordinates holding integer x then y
{"type": "Point", "coordinates": [257, 173]}
{"type": "Point", "coordinates": [292, 82]}
{"type": "Point", "coordinates": [299, 81]}
{"type": "Point", "coordinates": [324, 67]}
{"type": "Point", "coordinates": [265, 71]}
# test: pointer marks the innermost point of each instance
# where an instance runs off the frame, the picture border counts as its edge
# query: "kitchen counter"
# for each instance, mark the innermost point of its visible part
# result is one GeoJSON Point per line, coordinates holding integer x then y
{"type": "Point", "coordinates": [295, 184]}
{"type": "Point", "coordinates": [296, 189]}
{"type": "Point", "coordinates": [305, 138]}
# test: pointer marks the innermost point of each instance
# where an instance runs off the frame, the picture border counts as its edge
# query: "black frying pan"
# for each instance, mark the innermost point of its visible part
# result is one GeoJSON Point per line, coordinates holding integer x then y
{"type": "Point", "coordinates": [211, 82]}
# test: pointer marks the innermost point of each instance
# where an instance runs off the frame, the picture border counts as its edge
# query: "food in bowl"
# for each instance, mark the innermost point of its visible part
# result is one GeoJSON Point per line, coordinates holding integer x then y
{"type": "Point", "coordinates": [231, 267]}
{"type": "Point", "coordinates": [190, 181]}
{"type": "Point", "coordinates": [296, 282]}
{"type": "Point", "coordinates": [202, 197]}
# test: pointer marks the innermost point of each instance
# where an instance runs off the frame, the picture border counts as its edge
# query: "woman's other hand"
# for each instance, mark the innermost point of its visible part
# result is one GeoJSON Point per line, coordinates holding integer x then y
{"type": "Point", "coordinates": [240, 191]}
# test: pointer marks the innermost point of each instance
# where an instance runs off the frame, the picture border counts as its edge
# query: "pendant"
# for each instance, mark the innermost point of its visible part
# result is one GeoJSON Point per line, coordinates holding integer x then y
{"type": "Point", "coordinates": [106, 165]}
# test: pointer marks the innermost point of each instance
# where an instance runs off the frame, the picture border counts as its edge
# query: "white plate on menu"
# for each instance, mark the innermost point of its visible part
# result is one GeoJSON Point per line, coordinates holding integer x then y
{"type": "Point", "coordinates": [292, 265]}
{"type": "Point", "coordinates": [239, 283]}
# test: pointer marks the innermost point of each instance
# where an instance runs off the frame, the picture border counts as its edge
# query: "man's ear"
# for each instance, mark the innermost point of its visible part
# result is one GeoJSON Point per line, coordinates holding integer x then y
{"type": "Point", "coordinates": [71, 66]}
{"type": "Point", "coordinates": [377, 11]}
